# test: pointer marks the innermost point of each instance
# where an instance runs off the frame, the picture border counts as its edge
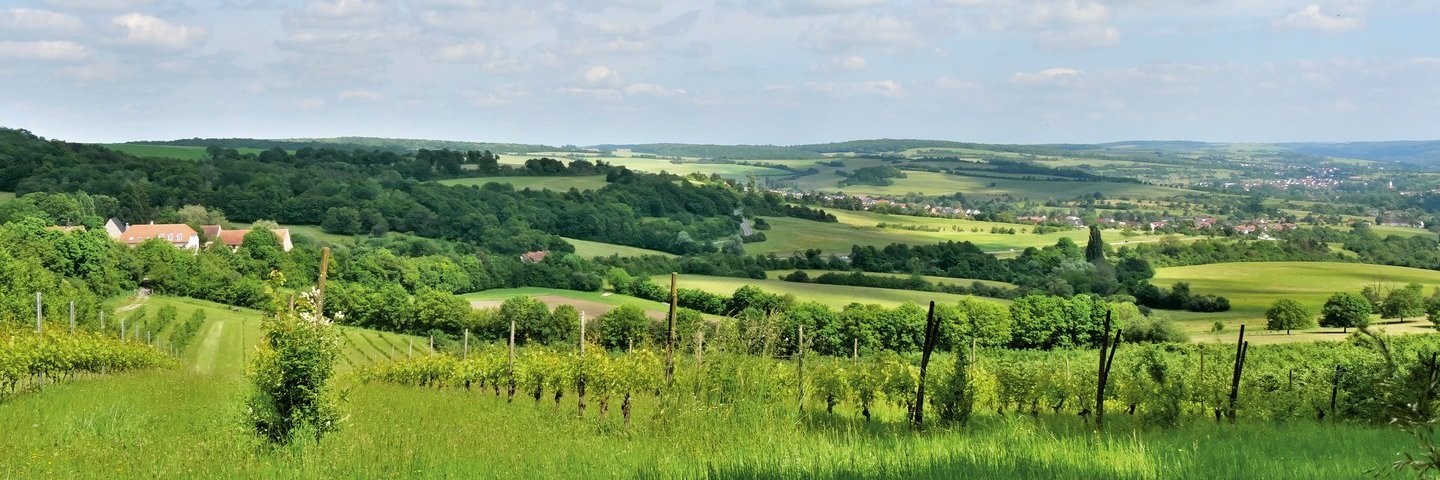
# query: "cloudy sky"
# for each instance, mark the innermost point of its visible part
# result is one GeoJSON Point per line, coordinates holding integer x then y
{"type": "Point", "coordinates": [723, 71]}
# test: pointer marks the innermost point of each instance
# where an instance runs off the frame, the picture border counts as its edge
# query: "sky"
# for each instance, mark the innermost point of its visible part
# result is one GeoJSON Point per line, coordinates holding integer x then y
{"type": "Point", "coordinates": [781, 72]}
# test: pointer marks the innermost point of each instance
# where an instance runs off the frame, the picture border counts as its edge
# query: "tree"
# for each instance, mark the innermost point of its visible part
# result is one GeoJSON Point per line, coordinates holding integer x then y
{"type": "Point", "coordinates": [623, 327]}
{"type": "Point", "coordinates": [531, 318]}
{"type": "Point", "coordinates": [1095, 249]}
{"type": "Point", "coordinates": [342, 220]}
{"type": "Point", "coordinates": [1404, 303]}
{"type": "Point", "coordinates": [1286, 314]}
{"type": "Point", "coordinates": [1346, 310]}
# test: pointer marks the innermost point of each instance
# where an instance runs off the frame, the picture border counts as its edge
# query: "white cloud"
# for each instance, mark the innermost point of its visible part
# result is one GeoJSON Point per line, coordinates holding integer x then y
{"type": "Point", "coordinates": [949, 83]}
{"type": "Point", "coordinates": [90, 73]}
{"type": "Point", "coordinates": [811, 7]}
{"type": "Point", "coordinates": [652, 90]}
{"type": "Point", "coordinates": [883, 88]}
{"type": "Point", "coordinates": [308, 103]}
{"type": "Point", "coordinates": [1071, 12]}
{"type": "Point", "coordinates": [45, 50]}
{"type": "Point", "coordinates": [852, 63]}
{"type": "Point", "coordinates": [1049, 76]}
{"type": "Point", "coordinates": [606, 94]}
{"type": "Point", "coordinates": [885, 32]}
{"type": "Point", "coordinates": [359, 94]}
{"type": "Point", "coordinates": [600, 74]}
{"type": "Point", "coordinates": [344, 9]}
{"type": "Point", "coordinates": [1425, 61]}
{"type": "Point", "coordinates": [109, 5]}
{"type": "Point", "coordinates": [1312, 18]}
{"type": "Point", "coordinates": [465, 52]}
{"type": "Point", "coordinates": [149, 31]}
{"type": "Point", "coordinates": [500, 95]}
{"type": "Point", "coordinates": [1089, 36]}
{"type": "Point", "coordinates": [25, 19]}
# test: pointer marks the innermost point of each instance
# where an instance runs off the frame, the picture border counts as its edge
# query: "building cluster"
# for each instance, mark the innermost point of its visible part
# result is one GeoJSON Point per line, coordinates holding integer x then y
{"type": "Point", "coordinates": [183, 236]}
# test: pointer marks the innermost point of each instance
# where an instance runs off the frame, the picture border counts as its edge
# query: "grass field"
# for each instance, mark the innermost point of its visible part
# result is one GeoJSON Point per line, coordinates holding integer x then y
{"type": "Point", "coordinates": [656, 165]}
{"type": "Point", "coordinates": [1252, 287]}
{"type": "Point", "coordinates": [169, 151]}
{"type": "Point", "coordinates": [589, 249]}
{"type": "Point", "coordinates": [836, 296]}
{"type": "Point", "coordinates": [593, 303]}
{"type": "Point", "coordinates": [789, 235]}
{"type": "Point", "coordinates": [184, 423]}
{"type": "Point", "coordinates": [312, 231]}
{"type": "Point", "coordinates": [6, 196]}
{"type": "Point", "coordinates": [776, 274]}
{"type": "Point", "coordinates": [929, 183]}
{"type": "Point", "coordinates": [588, 182]}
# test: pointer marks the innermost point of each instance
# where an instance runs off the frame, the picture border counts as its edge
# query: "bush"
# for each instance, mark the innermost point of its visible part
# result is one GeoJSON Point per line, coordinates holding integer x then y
{"type": "Point", "coordinates": [624, 327]}
{"type": "Point", "coordinates": [1154, 330]}
{"type": "Point", "coordinates": [290, 375]}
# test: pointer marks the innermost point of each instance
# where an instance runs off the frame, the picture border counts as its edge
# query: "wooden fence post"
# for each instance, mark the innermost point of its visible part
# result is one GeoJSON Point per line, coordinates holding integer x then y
{"type": "Point", "coordinates": [932, 331]}
{"type": "Point", "coordinates": [465, 351]}
{"type": "Point", "coordinates": [409, 348]}
{"type": "Point", "coordinates": [39, 329]}
{"type": "Point", "coordinates": [1334, 393]}
{"type": "Point", "coordinates": [670, 338]}
{"type": "Point", "coordinates": [102, 322]}
{"type": "Point", "coordinates": [580, 378]}
{"type": "Point", "coordinates": [72, 316]}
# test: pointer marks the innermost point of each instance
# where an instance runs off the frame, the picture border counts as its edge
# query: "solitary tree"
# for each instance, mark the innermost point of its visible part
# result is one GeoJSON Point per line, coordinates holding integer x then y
{"type": "Point", "coordinates": [1404, 303]}
{"type": "Point", "coordinates": [1346, 310]}
{"type": "Point", "coordinates": [1095, 249]}
{"type": "Point", "coordinates": [1286, 314]}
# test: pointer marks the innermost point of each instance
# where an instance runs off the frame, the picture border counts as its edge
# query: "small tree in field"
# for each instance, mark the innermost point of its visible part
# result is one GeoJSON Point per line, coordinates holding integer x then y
{"type": "Point", "coordinates": [1346, 310]}
{"type": "Point", "coordinates": [1404, 303]}
{"type": "Point", "coordinates": [1286, 314]}
{"type": "Point", "coordinates": [290, 375]}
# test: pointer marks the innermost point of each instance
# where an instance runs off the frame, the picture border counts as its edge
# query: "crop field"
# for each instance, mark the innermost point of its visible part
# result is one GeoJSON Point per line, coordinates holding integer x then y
{"type": "Point", "coordinates": [588, 182]}
{"type": "Point", "coordinates": [930, 183]}
{"type": "Point", "coordinates": [1252, 287]}
{"type": "Point", "coordinates": [589, 249]}
{"type": "Point", "coordinates": [169, 151]}
{"type": "Point", "coordinates": [836, 296]}
{"type": "Point", "coordinates": [657, 165]}
{"type": "Point", "coordinates": [788, 235]}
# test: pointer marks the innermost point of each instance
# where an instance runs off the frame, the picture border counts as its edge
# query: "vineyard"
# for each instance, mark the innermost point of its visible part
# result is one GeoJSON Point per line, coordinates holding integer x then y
{"type": "Point", "coordinates": [30, 360]}
{"type": "Point", "coordinates": [1159, 385]}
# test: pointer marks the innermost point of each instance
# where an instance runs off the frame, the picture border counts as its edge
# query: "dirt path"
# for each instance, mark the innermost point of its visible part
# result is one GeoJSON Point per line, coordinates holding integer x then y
{"type": "Point", "coordinates": [209, 348]}
{"type": "Point", "coordinates": [138, 302]}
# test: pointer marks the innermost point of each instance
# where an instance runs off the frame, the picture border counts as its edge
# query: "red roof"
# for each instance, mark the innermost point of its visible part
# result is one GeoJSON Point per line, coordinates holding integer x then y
{"type": "Point", "coordinates": [533, 257]}
{"type": "Point", "coordinates": [234, 238]}
{"type": "Point", "coordinates": [177, 233]}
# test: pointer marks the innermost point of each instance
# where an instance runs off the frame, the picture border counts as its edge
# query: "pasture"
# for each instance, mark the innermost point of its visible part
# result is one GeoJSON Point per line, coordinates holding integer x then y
{"type": "Point", "coordinates": [776, 274]}
{"type": "Point", "coordinates": [589, 249]}
{"type": "Point", "coordinates": [559, 184]}
{"type": "Point", "coordinates": [170, 151]}
{"type": "Point", "coordinates": [1252, 287]}
{"type": "Point", "coordinates": [930, 183]}
{"type": "Point", "coordinates": [836, 296]}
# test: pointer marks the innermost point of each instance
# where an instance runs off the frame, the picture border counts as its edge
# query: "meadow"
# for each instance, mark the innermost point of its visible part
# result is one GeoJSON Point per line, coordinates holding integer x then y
{"type": "Point", "coordinates": [836, 296]}
{"type": "Point", "coordinates": [170, 151]}
{"type": "Point", "coordinates": [587, 182]}
{"type": "Point", "coordinates": [789, 235]}
{"type": "Point", "coordinates": [589, 249]}
{"type": "Point", "coordinates": [1252, 287]}
{"type": "Point", "coordinates": [930, 183]}
{"type": "Point", "coordinates": [776, 274]}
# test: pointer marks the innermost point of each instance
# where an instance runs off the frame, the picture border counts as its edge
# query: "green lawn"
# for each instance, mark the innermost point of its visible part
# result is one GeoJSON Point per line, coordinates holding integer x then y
{"type": "Point", "coordinates": [169, 151]}
{"type": "Point", "coordinates": [1252, 287]}
{"type": "Point", "coordinates": [589, 249]}
{"type": "Point", "coordinates": [588, 182]}
{"type": "Point", "coordinates": [833, 295]}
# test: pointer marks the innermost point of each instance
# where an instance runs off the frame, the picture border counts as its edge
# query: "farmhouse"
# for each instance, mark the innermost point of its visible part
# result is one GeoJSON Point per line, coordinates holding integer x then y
{"type": "Point", "coordinates": [178, 234]}
{"type": "Point", "coordinates": [233, 238]}
{"type": "Point", "coordinates": [534, 257]}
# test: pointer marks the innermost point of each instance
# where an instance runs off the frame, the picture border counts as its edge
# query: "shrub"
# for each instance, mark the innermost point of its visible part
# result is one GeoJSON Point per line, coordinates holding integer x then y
{"type": "Point", "coordinates": [290, 375]}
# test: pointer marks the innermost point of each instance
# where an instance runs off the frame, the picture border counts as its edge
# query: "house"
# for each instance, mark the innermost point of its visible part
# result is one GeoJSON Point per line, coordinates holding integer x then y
{"type": "Point", "coordinates": [1245, 229]}
{"type": "Point", "coordinates": [533, 257]}
{"type": "Point", "coordinates": [234, 238]}
{"type": "Point", "coordinates": [1204, 221]}
{"type": "Point", "coordinates": [114, 227]}
{"type": "Point", "coordinates": [178, 234]}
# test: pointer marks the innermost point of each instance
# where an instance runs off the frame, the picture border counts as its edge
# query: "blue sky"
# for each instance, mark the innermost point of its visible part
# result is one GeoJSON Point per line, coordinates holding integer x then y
{"type": "Point", "coordinates": [723, 71]}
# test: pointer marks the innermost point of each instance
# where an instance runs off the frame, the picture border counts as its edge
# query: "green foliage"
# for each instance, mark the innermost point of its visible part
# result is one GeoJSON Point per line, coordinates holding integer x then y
{"type": "Point", "coordinates": [1346, 310]}
{"type": "Point", "coordinates": [624, 327]}
{"type": "Point", "coordinates": [57, 354]}
{"type": "Point", "coordinates": [1286, 314]}
{"type": "Point", "coordinates": [185, 332]}
{"type": "Point", "coordinates": [290, 378]}
{"type": "Point", "coordinates": [1402, 303]}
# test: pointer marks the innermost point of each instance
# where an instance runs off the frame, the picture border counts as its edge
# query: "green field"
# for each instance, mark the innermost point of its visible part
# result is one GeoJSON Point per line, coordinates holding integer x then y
{"type": "Point", "coordinates": [589, 249]}
{"type": "Point", "coordinates": [6, 196]}
{"type": "Point", "coordinates": [657, 165]}
{"type": "Point", "coordinates": [312, 231]}
{"type": "Point", "coordinates": [776, 274]}
{"type": "Point", "coordinates": [169, 151]}
{"type": "Point", "coordinates": [930, 183]}
{"type": "Point", "coordinates": [788, 235]}
{"type": "Point", "coordinates": [1252, 287]}
{"type": "Point", "coordinates": [184, 423]}
{"type": "Point", "coordinates": [836, 296]}
{"type": "Point", "coordinates": [588, 182]}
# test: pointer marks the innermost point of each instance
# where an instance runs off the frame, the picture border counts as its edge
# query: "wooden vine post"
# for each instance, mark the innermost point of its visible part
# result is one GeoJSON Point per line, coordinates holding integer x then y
{"type": "Point", "coordinates": [510, 396]}
{"type": "Point", "coordinates": [800, 366]}
{"type": "Point", "coordinates": [1334, 392]}
{"type": "Point", "coordinates": [465, 347]}
{"type": "Point", "coordinates": [1108, 347]}
{"type": "Point", "coordinates": [1241, 348]}
{"type": "Point", "coordinates": [39, 311]}
{"type": "Point", "coordinates": [580, 377]}
{"type": "Point", "coordinates": [72, 316]}
{"type": "Point", "coordinates": [932, 332]}
{"type": "Point", "coordinates": [670, 337]}
{"type": "Point", "coordinates": [320, 290]}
